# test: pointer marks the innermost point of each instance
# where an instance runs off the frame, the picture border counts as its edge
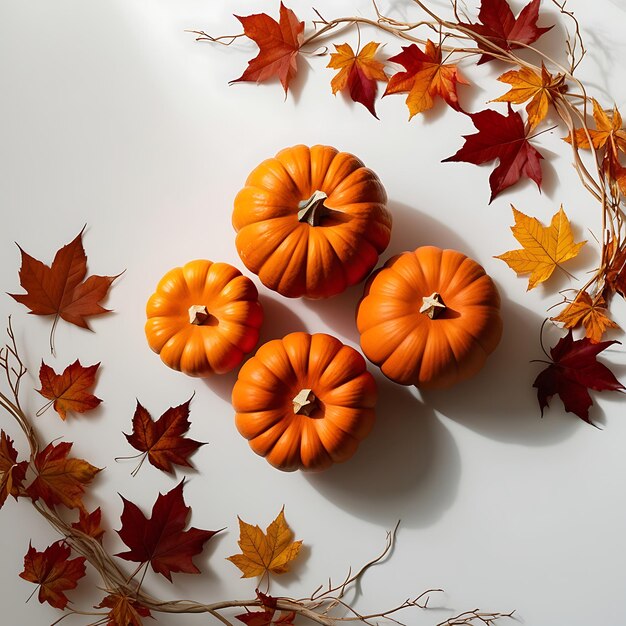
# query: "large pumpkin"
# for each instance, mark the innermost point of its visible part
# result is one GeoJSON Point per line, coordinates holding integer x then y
{"type": "Point", "coordinates": [311, 221]}
{"type": "Point", "coordinates": [429, 318]}
{"type": "Point", "coordinates": [304, 401]}
{"type": "Point", "coordinates": [203, 318]}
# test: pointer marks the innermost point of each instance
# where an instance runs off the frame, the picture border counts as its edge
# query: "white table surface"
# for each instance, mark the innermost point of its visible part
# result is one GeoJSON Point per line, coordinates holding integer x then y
{"type": "Point", "coordinates": [112, 116]}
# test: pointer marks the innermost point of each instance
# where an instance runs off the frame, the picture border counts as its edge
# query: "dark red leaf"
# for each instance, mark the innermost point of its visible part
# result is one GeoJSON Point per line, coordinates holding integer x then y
{"type": "Point", "coordinates": [12, 473]}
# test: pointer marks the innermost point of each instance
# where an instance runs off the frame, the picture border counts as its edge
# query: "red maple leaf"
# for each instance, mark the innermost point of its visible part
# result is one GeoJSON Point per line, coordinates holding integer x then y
{"type": "Point", "coordinates": [161, 540]}
{"type": "Point", "coordinates": [501, 28]}
{"type": "Point", "coordinates": [501, 137]}
{"type": "Point", "coordinates": [90, 523]}
{"type": "Point", "coordinates": [12, 473]}
{"type": "Point", "coordinates": [54, 572]}
{"type": "Point", "coordinates": [68, 391]}
{"type": "Point", "coordinates": [279, 43]}
{"type": "Point", "coordinates": [163, 441]}
{"type": "Point", "coordinates": [573, 371]}
{"type": "Point", "coordinates": [60, 479]}
{"type": "Point", "coordinates": [61, 289]}
{"type": "Point", "coordinates": [124, 611]}
{"type": "Point", "coordinates": [267, 617]}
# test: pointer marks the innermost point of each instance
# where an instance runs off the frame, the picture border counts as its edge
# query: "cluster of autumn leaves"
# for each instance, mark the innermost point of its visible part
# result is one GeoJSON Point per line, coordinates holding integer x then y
{"type": "Point", "coordinates": [162, 540]}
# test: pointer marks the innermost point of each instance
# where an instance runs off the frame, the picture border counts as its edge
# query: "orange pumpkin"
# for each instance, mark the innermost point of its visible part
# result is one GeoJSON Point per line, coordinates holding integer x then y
{"type": "Point", "coordinates": [429, 318]}
{"type": "Point", "coordinates": [203, 318]}
{"type": "Point", "coordinates": [311, 221]}
{"type": "Point", "coordinates": [304, 401]}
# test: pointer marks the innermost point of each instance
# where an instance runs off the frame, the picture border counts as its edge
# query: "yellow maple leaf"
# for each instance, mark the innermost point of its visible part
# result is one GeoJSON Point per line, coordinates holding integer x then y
{"type": "Point", "coordinates": [592, 314]}
{"type": "Point", "coordinates": [544, 247]}
{"type": "Point", "coordinates": [261, 552]}
{"type": "Point", "coordinates": [540, 89]}
{"type": "Point", "coordinates": [608, 131]}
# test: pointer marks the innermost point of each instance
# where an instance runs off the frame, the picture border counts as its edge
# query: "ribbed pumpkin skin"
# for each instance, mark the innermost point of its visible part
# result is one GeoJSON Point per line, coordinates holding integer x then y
{"type": "Point", "coordinates": [268, 382]}
{"type": "Point", "coordinates": [408, 346]}
{"type": "Point", "coordinates": [232, 330]}
{"type": "Point", "coordinates": [294, 258]}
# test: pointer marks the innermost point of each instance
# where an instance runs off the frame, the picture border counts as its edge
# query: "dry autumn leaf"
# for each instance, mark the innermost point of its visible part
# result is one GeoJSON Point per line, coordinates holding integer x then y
{"type": "Point", "coordinates": [544, 247]}
{"type": "Point", "coordinates": [162, 440]}
{"type": "Point", "coordinates": [426, 77]}
{"type": "Point", "coordinates": [60, 479]}
{"type": "Point", "coordinates": [502, 137]}
{"type": "Point", "coordinates": [608, 131]}
{"type": "Point", "coordinates": [124, 611]}
{"type": "Point", "coordinates": [540, 89]}
{"type": "Point", "coordinates": [591, 313]}
{"type": "Point", "coordinates": [12, 473]}
{"type": "Point", "coordinates": [68, 391]}
{"type": "Point", "coordinates": [90, 524]}
{"type": "Point", "coordinates": [262, 553]}
{"type": "Point", "coordinates": [358, 73]}
{"type": "Point", "coordinates": [54, 572]}
{"type": "Point", "coordinates": [279, 44]}
{"type": "Point", "coordinates": [61, 289]}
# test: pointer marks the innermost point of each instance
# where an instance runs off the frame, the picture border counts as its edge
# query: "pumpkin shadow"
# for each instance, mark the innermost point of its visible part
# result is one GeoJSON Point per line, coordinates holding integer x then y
{"type": "Point", "coordinates": [500, 401]}
{"type": "Point", "coordinates": [409, 465]}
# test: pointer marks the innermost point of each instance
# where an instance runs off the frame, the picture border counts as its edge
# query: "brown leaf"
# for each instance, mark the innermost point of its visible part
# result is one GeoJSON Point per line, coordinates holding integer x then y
{"type": "Point", "coordinates": [89, 523]}
{"type": "Point", "coordinates": [12, 473]}
{"type": "Point", "coordinates": [69, 391]}
{"type": "Point", "coordinates": [592, 314]}
{"type": "Point", "coordinates": [54, 572]}
{"type": "Point", "coordinates": [124, 611]}
{"type": "Point", "coordinates": [261, 552]}
{"type": "Point", "coordinates": [163, 441]}
{"type": "Point", "coordinates": [60, 479]}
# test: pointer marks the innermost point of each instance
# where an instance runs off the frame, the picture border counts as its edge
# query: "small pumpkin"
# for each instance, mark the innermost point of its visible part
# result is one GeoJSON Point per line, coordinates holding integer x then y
{"type": "Point", "coordinates": [311, 221]}
{"type": "Point", "coordinates": [203, 318]}
{"type": "Point", "coordinates": [429, 318]}
{"type": "Point", "coordinates": [304, 401]}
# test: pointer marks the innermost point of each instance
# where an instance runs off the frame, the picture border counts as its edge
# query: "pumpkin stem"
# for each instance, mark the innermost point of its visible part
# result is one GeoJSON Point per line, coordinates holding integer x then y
{"type": "Point", "coordinates": [304, 402]}
{"type": "Point", "coordinates": [313, 210]}
{"type": "Point", "coordinates": [433, 305]}
{"type": "Point", "coordinates": [198, 314]}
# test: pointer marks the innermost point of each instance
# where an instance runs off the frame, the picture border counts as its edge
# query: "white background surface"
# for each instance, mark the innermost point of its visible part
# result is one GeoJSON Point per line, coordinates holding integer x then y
{"type": "Point", "coordinates": [112, 116]}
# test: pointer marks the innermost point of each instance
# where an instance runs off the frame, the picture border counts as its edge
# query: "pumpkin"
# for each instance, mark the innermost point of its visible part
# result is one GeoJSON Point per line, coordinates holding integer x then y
{"type": "Point", "coordinates": [304, 401]}
{"type": "Point", "coordinates": [203, 318]}
{"type": "Point", "coordinates": [429, 318]}
{"type": "Point", "coordinates": [311, 221]}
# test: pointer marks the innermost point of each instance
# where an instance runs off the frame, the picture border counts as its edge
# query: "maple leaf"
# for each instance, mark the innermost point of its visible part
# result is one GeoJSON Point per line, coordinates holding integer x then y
{"type": "Point", "coordinates": [608, 130]}
{"type": "Point", "coordinates": [61, 289]}
{"type": "Point", "coordinates": [501, 137]}
{"type": "Point", "coordinates": [544, 247]}
{"type": "Point", "coordinates": [267, 617]}
{"type": "Point", "coordinates": [540, 89]}
{"type": "Point", "coordinates": [592, 314]}
{"type": "Point", "coordinates": [279, 44]}
{"type": "Point", "coordinates": [162, 441]}
{"type": "Point", "coordinates": [125, 611]}
{"type": "Point", "coordinates": [615, 275]}
{"type": "Point", "coordinates": [161, 540]}
{"type": "Point", "coordinates": [89, 523]}
{"type": "Point", "coordinates": [502, 29]}
{"type": "Point", "coordinates": [261, 552]}
{"type": "Point", "coordinates": [425, 78]}
{"type": "Point", "coordinates": [12, 473]}
{"type": "Point", "coordinates": [54, 572]}
{"type": "Point", "coordinates": [60, 479]}
{"type": "Point", "coordinates": [358, 73]}
{"type": "Point", "coordinates": [573, 371]}
{"type": "Point", "coordinates": [68, 391]}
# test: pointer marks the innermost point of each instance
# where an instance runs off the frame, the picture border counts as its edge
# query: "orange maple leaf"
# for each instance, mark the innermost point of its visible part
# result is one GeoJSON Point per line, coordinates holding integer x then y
{"type": "Point", "coordinates": [608, 131]}
{"type": "Point", "coordinates": [279, 44]}
{"type": "Point", "coordinates": [60, 479]}
{"type": "Point", "coordinates": [261, 552]}
{"type": "Point", "coordinates": [90, 524]}
{"type": "Point", "coordinates": [12, 473]}
{"type": "Point", "coordinates": [68, 391]}
{"type": "Point", "coordinates": [162, 441]}
{"type": "Point", "coordinates": [61, 289]}
{"type": "Point", "coordinates": [540, 89]}
{"type": "Point", "coordinates": [124, 611]}
{"type": "Point", "coordinates": [53, 572]}
{"type": "Point", "coordinates": [425, 78]}
{"type": "Point", "coordinates": [543, 247]}
{"type": "Point", "coordinates": [358, 73]}
{"type": "Point", "coordinates": [591, 313]}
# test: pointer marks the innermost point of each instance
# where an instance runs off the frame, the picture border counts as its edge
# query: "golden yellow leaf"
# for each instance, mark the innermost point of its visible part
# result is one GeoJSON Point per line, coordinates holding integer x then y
{"type": "Point", "coordinates": [592, 314]}
{"type": "Point", "coordinates": [544, 247]}
{"type": "Point", "coordinates": [608, 130]}
{"type": "Point", "coordinates": [540, 89]}
{"type": "Point", "coordinates": [261, 552]}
